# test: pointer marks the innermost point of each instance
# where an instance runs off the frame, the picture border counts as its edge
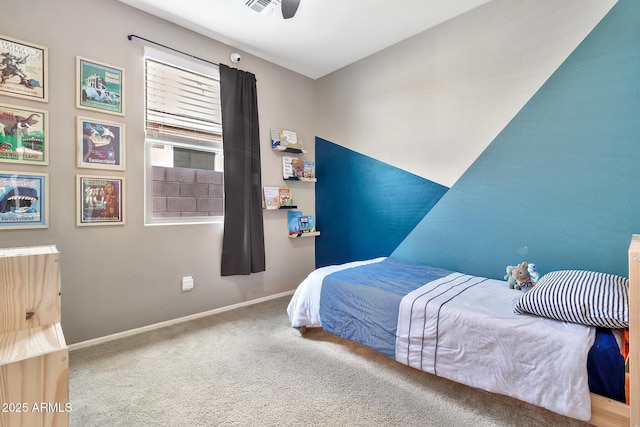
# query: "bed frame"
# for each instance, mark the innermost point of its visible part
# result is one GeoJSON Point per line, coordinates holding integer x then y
{"type": "Point", "coordinates": [607, 412]}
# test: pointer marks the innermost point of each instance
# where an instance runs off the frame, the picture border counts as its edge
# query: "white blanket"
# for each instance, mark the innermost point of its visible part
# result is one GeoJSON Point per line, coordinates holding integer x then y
{"type": "Point", "coordinates": [480, 341]}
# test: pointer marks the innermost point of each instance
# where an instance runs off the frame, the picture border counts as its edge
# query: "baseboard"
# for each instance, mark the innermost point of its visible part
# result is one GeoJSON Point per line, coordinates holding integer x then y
{"type": "Point", "coordinates": [166, 323]}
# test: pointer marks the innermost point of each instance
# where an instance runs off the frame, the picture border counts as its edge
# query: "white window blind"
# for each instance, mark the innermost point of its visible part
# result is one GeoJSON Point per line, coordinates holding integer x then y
{"type": "Point", "coordinates": [182, 105]}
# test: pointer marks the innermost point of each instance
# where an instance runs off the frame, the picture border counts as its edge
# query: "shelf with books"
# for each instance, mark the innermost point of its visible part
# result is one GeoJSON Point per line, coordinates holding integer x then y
{"type": "Point", "coordinates": [278, 198]}
{"type": "Point", "coordinates": [301, 225]}
{"type": "Point", "coordinates": [295, 169]}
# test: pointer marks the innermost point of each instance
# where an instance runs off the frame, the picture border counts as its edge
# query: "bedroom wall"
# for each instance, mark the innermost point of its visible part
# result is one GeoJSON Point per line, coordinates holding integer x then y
{"type": "Point", "coordinates": [365, 207]}
{"type": "Point", "coordinates": [432, 105]}
{"type": "Point", "coordinates": [123, 277]}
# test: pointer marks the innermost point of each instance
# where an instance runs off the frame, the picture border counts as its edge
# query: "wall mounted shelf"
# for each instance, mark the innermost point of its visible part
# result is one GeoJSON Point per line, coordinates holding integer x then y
{"type": "Point", "coordinates": [282, 149]}
{"type": "Point", "coordinates": [279, 208]}
{"type": "Point", "coordinates": [303, 234]}
{"type": "Point", "coordinates": [293, 169]}
{"type": "Point", "coordinates": [303, 179]}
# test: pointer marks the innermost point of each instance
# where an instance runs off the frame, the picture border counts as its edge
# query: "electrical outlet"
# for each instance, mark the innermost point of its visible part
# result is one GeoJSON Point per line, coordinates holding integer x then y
{"type": "Point", "coordinates": [187, 283]}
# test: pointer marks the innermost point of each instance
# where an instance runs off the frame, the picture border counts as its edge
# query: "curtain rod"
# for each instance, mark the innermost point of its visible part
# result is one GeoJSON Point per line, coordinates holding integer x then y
{"type": "Point", "coordinates": [130, 36]}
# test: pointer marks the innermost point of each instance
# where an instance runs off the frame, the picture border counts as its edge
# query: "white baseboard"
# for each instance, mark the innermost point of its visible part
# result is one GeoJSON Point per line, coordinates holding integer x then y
{"type": "Point", "coordinates": [159, 325]}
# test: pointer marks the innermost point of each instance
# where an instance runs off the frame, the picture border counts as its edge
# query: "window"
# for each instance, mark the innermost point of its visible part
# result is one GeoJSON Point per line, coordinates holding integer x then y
{"type": "Point", "coordinates": [183, 141]}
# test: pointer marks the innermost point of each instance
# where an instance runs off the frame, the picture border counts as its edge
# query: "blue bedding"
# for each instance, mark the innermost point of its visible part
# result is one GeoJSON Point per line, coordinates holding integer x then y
{"type": "Point", "coordinates": [606, 367]}
{"type": "Point", "coordinates": [362, 304]}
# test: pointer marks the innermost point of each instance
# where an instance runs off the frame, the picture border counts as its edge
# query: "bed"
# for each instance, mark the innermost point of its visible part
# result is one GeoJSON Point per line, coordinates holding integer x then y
{"type": "Point", "coordinates": [446, 323]}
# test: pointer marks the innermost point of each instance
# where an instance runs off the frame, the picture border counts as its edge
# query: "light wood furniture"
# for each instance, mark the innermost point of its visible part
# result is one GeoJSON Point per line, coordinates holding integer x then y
{"type": "Point", "coordinates": [34, 357]}
{"type": "Point", "coordinates": [607, 412]}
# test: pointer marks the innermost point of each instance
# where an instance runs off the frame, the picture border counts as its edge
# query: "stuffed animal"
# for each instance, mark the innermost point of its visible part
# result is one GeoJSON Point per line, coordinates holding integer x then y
{"type": "Point", "coordinates": [511, 281]}
{"type": "Point", "coordinates": [533, 272]}
{"type": "Point", "coordinates": [522, 277]}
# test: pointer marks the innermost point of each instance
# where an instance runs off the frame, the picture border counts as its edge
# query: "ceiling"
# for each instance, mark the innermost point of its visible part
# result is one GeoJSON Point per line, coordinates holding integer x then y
{"type": "Point", "coordinates": [323, 36]}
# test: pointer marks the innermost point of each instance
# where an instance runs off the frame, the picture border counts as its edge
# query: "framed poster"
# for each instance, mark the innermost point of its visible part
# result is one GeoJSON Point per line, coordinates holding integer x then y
{"type": "Point", "coordinates": [24, 135]}
{"type": "Point", "coordinates": [99, 87]}
{"type": "Point", "coordinates": [100, 144]}
{"type": "Point", "coordinates": [23, 69]}
{"type": "Point", "coordinates": [100, 200]}
{"type": "Point", "coordinates": [24, 200]}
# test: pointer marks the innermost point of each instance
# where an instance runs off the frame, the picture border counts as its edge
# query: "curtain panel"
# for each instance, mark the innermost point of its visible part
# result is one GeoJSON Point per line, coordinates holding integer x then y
{"type": "Point", "coordinates": [243, 242]}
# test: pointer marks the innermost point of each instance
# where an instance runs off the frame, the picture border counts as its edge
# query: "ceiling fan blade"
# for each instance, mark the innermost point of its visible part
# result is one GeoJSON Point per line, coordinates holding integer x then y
{"type": "Point", "coordinates": [289, 8]}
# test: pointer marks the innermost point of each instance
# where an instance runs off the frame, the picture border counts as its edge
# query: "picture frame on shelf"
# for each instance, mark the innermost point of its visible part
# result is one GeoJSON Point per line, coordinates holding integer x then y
{"type": "Point", "coordinates": [272, 197]}
{"type": "Point", "coordinates": [100, 87]}
{"type": "Point", "coordinates": [287, 167]}
{"type": "Point", "coordinates": [307, 224]}
{"type": "Point", "coordinates": [285, 197]}
{"type": "Point", "coordinates": [293, 221]}
{"type": "Point", "coordinates": [24, 200]}
{"type": "Point", "coordinates": [100, 200]}
{"type": "Point", "coordinates": [24, 69]}
{"type": "Point", "coordinates": [100, 144]}
{"type": "Point", "coordinates": [24, 135]}
{"type": "Point", "coordinates": [290, 139]}
{"type": "Point", "coordinates": [286, 141]}
{"type": "Point", "coordinates": [309, 170]}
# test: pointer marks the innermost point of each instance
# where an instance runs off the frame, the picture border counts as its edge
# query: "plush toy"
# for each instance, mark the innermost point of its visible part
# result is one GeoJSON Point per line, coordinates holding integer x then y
{"type": "Point", "coordinates": [533, 272]}
{"type": "Point", "coordinates": [511, 281]}
{"type": "Point", "coordinates": [522, 277]}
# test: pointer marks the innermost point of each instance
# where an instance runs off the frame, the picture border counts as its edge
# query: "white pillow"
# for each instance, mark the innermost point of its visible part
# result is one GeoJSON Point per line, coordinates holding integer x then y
{"type": "Point", "coordinates": [578, 296]}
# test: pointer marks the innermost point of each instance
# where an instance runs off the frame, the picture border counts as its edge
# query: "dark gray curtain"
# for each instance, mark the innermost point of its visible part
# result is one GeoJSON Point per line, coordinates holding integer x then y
{"type": "Point", "coordinates": [243, 241]}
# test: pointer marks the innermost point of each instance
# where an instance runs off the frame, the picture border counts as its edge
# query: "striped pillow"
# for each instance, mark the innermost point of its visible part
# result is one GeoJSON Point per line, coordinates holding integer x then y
{"type": "Point", "coordinates": [585, 297]}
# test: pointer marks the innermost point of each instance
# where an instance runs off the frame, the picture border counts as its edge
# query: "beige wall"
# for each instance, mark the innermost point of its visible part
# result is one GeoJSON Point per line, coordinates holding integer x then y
{"type": "Point", "coordinates": [118, 278]}
{"type": "Point", "coordinates": [432, 103]}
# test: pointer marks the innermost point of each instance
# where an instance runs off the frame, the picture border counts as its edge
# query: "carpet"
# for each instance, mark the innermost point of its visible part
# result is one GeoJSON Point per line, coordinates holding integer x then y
{"type": "Point", "coordinates": [248, 367]}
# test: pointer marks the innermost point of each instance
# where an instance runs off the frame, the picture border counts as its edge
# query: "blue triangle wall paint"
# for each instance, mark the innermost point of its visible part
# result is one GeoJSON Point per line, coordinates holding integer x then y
{"type": "Point", "coordinates": [559, 186]}
{"type": "Point", "coordinates": [364, 207]}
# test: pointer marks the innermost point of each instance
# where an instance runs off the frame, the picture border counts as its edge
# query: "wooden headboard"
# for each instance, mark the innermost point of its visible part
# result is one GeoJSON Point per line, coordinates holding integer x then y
{"type": "Point", "coordinates": [607, 412]}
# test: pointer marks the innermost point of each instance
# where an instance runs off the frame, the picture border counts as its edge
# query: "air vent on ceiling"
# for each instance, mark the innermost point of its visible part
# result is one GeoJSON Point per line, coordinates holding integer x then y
{"type": "Point", "coordinates": [263, 6]}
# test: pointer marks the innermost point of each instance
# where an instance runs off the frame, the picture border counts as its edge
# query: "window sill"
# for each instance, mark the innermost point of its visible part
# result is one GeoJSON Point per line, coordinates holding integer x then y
{"type": "Point", "coordinates": [175, 221]}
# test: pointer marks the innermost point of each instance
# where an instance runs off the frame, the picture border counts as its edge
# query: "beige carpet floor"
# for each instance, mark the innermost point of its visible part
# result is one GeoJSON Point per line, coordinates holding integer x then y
{"type": "Point", "coordinates": [248, 367]}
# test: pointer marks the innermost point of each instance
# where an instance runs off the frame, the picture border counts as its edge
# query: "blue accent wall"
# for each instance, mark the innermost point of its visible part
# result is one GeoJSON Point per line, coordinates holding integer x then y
{"type": "Point", "coordinates": [364, 207]}
{"type": "Point", "coordinates": [560, 185]}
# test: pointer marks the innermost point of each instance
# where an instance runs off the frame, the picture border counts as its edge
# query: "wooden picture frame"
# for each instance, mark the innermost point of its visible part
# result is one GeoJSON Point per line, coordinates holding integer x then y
{"type": "Point", "coordinates": [24, 200]}
{"type": "Point", "coordinates": [100, 200]}
{"type": "Point", "coordinates": [99, 86]}
{"type": "Point", "coordinates": [24, 135]}
{"type": "Point", "coordinates": [24, 69]}
{"type": "Point", "coordinates": [100, 144]}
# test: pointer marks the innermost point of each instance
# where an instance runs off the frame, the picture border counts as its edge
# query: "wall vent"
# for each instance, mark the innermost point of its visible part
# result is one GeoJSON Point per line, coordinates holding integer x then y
{"type": "Point", "coordinates": [263, 6]}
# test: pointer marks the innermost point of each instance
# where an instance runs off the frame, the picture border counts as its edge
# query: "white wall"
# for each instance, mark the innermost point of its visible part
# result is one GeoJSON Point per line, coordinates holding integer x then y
{"type": "Point", "coordinates": [431, 104]}
{"type": "Point", "coordinates": [118, 278]}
